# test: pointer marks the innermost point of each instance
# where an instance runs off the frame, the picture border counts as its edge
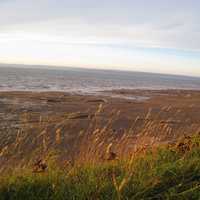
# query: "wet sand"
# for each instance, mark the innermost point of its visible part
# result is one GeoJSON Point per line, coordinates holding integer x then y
{"type": "Point", "coordinates": [34, 123]}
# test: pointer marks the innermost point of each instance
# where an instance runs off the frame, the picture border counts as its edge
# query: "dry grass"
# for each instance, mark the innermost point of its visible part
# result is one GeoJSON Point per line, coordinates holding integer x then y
{"type": "Point", "coordinates": [99, 141]}
{"type": "Point", "coordinates": [162, 172]}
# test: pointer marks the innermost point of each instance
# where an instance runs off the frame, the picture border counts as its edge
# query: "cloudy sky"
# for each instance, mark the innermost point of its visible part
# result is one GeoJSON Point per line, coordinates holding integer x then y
{"type": "Point", "coordinates": [140, 35]}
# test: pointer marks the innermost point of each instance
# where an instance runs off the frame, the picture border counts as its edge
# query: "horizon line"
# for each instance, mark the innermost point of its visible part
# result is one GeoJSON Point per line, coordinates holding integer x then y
{"type": "Point", "coordinates": [53, 66]}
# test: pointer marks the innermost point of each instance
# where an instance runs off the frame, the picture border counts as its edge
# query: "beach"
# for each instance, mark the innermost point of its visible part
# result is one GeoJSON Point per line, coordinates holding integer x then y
{"type": "Point", "coordinates": [36, 123]}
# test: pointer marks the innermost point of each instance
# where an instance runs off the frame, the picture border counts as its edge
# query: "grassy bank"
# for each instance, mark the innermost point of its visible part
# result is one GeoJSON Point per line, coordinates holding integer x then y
{"type": "Point", "coordinates": [164, 172]}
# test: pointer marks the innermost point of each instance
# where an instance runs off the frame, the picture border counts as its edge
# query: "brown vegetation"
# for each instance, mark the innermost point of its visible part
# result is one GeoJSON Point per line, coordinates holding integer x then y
{"type": "Point", "coordinates": [75, 128]}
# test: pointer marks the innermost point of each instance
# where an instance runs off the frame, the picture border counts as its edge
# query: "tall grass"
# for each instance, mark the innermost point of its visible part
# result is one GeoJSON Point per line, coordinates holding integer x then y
{"type": "Point", "coordinates": [92, 139]}
{"type": "Point", "coordinates": [161, 172]}
{"type": "Point", "coordinates": [136, 163]}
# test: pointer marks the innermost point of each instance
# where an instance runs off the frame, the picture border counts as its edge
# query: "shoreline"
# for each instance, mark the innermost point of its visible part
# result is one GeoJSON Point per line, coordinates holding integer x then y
{"type": "Point", "coordinates": [122, 93]}
{"type": "Point", "coordinates": [34, 123]}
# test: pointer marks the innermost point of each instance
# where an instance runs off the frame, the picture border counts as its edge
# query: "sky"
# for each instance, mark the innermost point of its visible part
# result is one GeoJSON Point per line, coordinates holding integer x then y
{"type": "Point", "coordinates": [140, 35]}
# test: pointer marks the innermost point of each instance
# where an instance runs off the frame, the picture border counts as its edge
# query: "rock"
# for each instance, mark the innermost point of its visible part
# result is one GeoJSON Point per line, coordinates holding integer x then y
{"type": "Point", "coordinates": [53, 100]}
{"type": "Point", "coordinates": [78, 116]}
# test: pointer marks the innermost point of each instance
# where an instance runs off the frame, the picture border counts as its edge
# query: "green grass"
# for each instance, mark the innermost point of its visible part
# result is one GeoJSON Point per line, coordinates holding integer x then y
{"type": "Point", "coordinates": [158, 173]}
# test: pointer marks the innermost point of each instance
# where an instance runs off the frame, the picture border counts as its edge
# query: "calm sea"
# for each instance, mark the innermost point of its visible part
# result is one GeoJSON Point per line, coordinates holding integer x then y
{"type": "Point", "coordinates": [88, 81]}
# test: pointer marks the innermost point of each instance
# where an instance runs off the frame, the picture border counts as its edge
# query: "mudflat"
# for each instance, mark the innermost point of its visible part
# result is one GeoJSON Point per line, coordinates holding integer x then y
{"type": "Point", "coordinates": [80, 127]}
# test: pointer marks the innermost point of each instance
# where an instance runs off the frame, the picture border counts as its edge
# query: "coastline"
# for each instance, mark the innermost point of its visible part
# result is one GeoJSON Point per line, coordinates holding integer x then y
{"type": "Point", "coordinates": [67, 117]}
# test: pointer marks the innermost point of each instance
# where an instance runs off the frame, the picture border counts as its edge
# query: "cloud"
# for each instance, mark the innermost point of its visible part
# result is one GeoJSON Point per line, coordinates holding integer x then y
{"type": "Point", "coordinates": [124, 29]}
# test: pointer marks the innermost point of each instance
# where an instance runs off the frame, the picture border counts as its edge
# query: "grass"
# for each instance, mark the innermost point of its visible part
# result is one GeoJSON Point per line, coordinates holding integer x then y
{"type": "Point", "coordinates": [162, 172]}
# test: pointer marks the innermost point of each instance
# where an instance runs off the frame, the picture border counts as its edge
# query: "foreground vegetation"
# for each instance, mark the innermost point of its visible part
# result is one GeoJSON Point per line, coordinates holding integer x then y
{"type": "Point", "coordinates": [164, 172]}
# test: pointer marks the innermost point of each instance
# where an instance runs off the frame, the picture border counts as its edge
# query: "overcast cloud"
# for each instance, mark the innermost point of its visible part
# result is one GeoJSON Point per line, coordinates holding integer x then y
{"type": "Point", "coordinates": [146, 35]}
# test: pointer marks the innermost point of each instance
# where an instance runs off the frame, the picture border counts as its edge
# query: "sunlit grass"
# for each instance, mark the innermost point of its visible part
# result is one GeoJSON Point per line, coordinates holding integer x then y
{"type": "Point", "coordinates": [162, 172]}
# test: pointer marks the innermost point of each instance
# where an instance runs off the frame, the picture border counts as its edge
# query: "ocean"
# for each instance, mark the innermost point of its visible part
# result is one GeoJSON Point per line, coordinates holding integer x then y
{"type": "Point", "coordinates": [87, 80]}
